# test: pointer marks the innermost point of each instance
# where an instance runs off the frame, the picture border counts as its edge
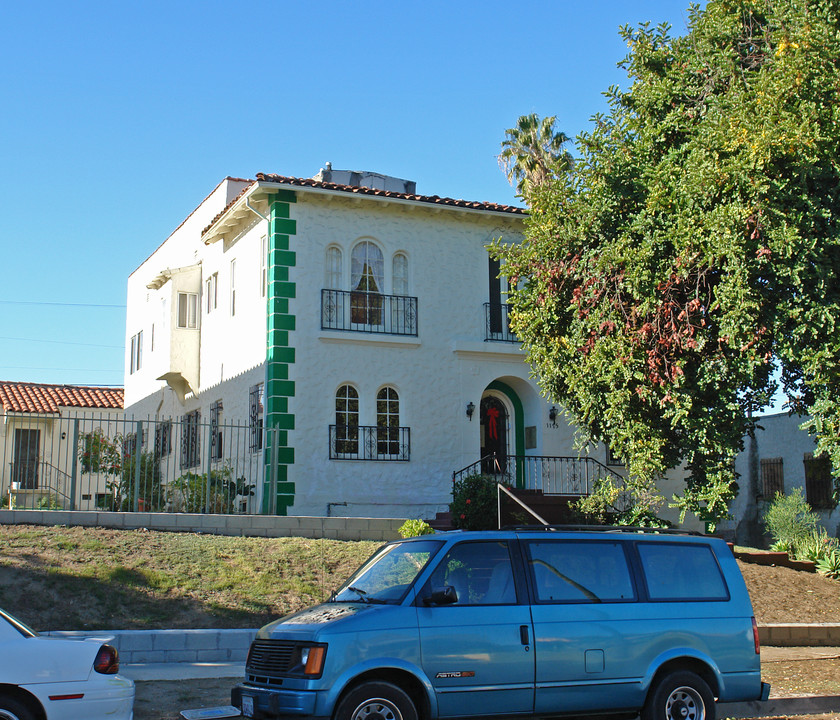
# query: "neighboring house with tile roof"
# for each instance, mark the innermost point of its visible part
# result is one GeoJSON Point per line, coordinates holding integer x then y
{"type": "Point", "coordinates": [42, 427]}
{"type": "Point", "coordinates": [358, 331]}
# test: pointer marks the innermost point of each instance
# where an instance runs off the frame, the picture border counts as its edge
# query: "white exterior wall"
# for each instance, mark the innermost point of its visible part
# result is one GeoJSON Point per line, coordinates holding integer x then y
{"type": "Point", "coordinates": [145, 306]}
{"type": "Point", "coordinates": [779, 436]}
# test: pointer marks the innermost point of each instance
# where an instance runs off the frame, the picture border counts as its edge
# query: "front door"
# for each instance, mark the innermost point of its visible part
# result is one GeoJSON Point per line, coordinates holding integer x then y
{"type": "Point", "coordinates": [494, 424]}
{"type": "Point", "coordinates": [477, 650]}
{"type": "Point", "coordinates": [25, 463]}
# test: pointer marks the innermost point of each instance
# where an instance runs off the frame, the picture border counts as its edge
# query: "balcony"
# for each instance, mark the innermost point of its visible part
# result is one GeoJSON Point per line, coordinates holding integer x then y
{"type": "Point", "coordinates": [497, 323]}
{"type": "Point", "coordinates": [365, 312]}
{"type": "Point", "coordinates": [364, 442]}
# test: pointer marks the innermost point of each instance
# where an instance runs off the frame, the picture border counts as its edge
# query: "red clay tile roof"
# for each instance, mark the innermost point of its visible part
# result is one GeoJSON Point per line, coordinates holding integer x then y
{"type": "Point", "coordinates": [41, 398]}
{"type": "Point", "coordinates": [430, 199]}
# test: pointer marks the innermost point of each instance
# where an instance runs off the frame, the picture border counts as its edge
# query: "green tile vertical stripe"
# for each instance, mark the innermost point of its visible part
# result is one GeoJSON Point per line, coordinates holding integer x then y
{"type": "Point", "coordinates": [279, 353]}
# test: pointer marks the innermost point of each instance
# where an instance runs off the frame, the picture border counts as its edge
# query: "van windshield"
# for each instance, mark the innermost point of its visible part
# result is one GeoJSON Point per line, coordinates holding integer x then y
{"type": "Point", "coordinates": [386, 577]}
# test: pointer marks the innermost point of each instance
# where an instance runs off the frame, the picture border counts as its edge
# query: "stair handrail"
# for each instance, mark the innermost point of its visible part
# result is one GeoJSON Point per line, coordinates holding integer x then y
{"type": "Point", "coordinates": [502, 489]}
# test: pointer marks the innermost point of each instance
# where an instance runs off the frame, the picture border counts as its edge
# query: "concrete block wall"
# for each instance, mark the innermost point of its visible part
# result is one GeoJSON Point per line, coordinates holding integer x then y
{"type": "Point", "coordinates": [335, 528]}
{"type": "Point", "coordinates": [800, 634]}
{"type": "Point", "coordinates": [172, 646]}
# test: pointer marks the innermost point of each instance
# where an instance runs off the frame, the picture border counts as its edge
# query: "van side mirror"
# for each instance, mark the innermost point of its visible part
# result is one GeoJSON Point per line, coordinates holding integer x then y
{"type": "Point", "coordinates": [445, 595]}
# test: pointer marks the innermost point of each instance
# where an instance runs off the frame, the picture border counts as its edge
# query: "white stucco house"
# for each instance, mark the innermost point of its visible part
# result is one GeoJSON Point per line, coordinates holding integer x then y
{"type": "Point", "coordinates": [353, 334]}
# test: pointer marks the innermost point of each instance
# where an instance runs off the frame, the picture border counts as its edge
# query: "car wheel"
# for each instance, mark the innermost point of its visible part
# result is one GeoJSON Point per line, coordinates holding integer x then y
{"type": "Point", "coordinates": [680, 695]}
{"type": "Point", "coordinates": [13, 709]}
{"type": "Point", "coordinates": [376, 701]}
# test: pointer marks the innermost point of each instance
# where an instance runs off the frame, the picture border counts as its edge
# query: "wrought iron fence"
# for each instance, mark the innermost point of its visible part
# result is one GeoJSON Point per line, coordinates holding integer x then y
{"type": "Point", "coordinates": [368, 312]}
{"type": "Point", "coordinates": [105, 462]}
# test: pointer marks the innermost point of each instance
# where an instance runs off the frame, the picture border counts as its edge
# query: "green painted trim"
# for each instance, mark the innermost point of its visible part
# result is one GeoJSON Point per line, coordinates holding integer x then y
{"type": "Point", "coordinates": [518, 423]}
{"type": "Point", "coordinates": [279, 352]}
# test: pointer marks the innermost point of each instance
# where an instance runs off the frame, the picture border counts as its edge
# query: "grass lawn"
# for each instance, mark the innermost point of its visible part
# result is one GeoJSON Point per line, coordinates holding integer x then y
{"type": "Point", "coordinates": [70, 578]}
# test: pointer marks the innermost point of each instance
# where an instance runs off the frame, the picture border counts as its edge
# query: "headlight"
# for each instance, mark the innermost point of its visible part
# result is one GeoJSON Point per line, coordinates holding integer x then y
{"type": "Point", "coordinates": [311, 660]}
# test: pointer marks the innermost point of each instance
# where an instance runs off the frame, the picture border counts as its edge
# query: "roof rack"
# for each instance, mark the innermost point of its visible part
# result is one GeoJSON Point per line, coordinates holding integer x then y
{"type": "Point", "coordinates": [606, 529]}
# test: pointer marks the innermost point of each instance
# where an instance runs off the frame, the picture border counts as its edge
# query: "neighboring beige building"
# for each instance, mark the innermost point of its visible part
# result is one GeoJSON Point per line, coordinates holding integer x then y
{"type": "Point", "coordinates": [42, 427]}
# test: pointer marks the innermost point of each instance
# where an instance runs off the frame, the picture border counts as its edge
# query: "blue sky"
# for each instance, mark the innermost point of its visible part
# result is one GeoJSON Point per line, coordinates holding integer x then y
{"type": "Point", "coordinates": [119, 117]}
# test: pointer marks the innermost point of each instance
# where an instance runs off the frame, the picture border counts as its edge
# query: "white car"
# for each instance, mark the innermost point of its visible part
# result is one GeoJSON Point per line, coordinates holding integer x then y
{"type": "Point", "coordinates": [44, 678]}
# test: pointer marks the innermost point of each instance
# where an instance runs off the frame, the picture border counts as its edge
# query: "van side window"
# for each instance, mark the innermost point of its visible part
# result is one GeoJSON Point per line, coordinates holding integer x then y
{"type": "Point", "coordinates": [580, 571]}
{"type": "Point", "coordinates": [677, 571]}
{"type": "Point", "coordinates": [480, 572]}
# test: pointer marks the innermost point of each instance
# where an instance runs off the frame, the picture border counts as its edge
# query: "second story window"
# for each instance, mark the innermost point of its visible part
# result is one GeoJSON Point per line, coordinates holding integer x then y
{"type": "Point", "coordinates": [263, 265]}
{"type": "Point", "coordinates": [136, 359]}
{"type": "Point", "coordinates": [399, 280]}
{"type": "Point", "coordinates": [211, 289]}
{"type": "Point", "coordinates": [333, 272]}
{"type": "Point", "coordinates": [367, 278]}
{"type": "Point", "coordinates": [187, 310]}
{"type": "Point", "coordinates": [232, 288]}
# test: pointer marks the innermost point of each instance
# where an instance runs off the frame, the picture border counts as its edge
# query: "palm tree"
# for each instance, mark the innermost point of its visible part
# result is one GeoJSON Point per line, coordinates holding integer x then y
{"type": "Point", "coordinates": [533, 151]}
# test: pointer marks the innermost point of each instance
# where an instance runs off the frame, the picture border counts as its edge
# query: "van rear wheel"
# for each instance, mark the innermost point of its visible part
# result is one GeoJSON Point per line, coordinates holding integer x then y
{"type": "Point", "coordinates": [376, 701]}
{"type": "Point", "coordinates": [680, 695]}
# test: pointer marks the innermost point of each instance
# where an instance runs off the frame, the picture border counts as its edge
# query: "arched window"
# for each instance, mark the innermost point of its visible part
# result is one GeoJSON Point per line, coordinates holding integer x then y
{"type": "Point", "coordinates": [333, 274]}
{"type": "Point", "coordinates": [387, 422]}
{"type": "Point", "coordinates": [400, 279]}
{"type": "Point", "coordinates": [367, 278]}
{"type": "Point", "coordinates": [347, 421]}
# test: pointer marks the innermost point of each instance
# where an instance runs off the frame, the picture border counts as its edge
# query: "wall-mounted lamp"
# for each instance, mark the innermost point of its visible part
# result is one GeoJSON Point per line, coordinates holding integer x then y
{"type": "Point", "coordinates": [552, 413]}
{"type": "Point", "coordinates": [470, 410]}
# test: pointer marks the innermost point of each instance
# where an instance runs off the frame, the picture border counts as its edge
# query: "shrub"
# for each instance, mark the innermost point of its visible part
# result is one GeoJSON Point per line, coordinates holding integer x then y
{"type": "Point", "coordinates": [789, 519]}
{"type": "Point", "coordinates": [816, 546]}
{"type": "Point", "coordinates": [474, 503]}
{"type": "Point", "coordinates": [830, 564]}
{"type": "Point", "coordinates": [413, 528]}
{"type": "Point", "coordinates": [49, 502]}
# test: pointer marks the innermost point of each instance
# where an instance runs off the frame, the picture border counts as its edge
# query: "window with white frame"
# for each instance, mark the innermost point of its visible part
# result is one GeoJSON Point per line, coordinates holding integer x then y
{"type": "Point", "coordinates": [263, 265]}
{"type": "Point", "coordinates": [333, 273]}
{"type": "Point", "coordinates": [399, 280]}
{"type": "Point", "coordinates": [190, 439]}
{"type": "Point", "coordinates": [211, 289]}
{"type": "Point", "coordinates": [367, 279]}
{"type": "Point", "coordinates": [232, 288]}
{"type": "Point", "coordinates": [216, 435]}
{"type": "Point", "coordinates": [387, 422]}
{"type": "Point", "coordinates": [346, 421]}
{"type": "Point", "coordinates": [136, 359]}
{"type": "Point", "coordinates": [187, 310]}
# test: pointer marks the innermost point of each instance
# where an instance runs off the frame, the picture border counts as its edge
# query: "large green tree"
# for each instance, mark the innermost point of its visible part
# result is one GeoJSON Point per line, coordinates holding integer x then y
{"type": "Point", "coordinates": [694, 246]}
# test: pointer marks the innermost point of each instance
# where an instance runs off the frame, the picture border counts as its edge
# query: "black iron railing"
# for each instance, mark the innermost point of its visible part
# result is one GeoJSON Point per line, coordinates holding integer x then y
{"type": "Point", "coordinates": [368, 312]}
{"type": "Point", "coordinates": [497, 323]}
{"type": "Point", "coordinates": [364, 442]}
{"type": "Point", "coordinates": [576, 476]}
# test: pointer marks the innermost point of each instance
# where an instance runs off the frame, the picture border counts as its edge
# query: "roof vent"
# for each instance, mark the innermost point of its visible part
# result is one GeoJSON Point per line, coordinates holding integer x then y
{"type": "Point", "coordinates": [363, 178]}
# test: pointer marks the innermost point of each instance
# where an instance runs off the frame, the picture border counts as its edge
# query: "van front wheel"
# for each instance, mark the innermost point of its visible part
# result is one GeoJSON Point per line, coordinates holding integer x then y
{"type": "Point", "coordinates": [376, 701]}
{"type": "Point", "coordinates": [680, 695]}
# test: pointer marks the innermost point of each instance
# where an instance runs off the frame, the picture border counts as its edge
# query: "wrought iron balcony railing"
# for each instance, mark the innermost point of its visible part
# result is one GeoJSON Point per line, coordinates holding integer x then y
{"type": "Point", "coordinates": [368, 312]}
{"type": "Point", "coordinates": [364, 442]}
{"type": "Point", "coordinates": [497, 323]}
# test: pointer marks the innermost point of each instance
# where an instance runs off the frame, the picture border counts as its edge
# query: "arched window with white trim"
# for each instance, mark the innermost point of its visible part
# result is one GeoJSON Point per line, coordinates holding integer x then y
{"type": "Point", "coordinates": [387, 422]}
{"type": "Point", "coordinates": [367, 279]}
{"type": "Point", "coordinates": [346, 421]}
{"type": "Point", "coordinates": [400, 274]}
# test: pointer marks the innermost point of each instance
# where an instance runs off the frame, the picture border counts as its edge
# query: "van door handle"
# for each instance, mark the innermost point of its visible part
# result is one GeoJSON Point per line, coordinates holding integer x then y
{"type": "Point", "coordinates": [524, 635]}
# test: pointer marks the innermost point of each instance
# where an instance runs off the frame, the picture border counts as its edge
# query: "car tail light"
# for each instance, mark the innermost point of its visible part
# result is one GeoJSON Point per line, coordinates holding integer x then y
{"type": "Point", "coordinates": [107, 660]}
{"type": "Point", "coordinates": [755, 637]}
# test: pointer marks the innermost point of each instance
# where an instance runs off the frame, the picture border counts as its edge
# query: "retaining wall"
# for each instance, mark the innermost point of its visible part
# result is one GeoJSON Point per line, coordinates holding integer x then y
{"type": "Point", "coordinates": [336, 528]}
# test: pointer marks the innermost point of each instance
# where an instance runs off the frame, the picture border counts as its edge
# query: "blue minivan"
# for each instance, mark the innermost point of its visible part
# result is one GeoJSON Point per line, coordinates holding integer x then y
{"type": "Point", "coordinates": [517, 623]}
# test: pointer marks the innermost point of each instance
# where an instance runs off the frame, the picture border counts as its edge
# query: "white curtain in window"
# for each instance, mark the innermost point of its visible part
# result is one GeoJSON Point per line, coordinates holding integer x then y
{"type": "Point", "coordinates": [367, 268]}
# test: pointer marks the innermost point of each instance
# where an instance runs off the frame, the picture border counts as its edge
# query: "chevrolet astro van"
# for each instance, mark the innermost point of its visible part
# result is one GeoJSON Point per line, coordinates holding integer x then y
{"type": "Point", "coordinates": [517, 623]}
